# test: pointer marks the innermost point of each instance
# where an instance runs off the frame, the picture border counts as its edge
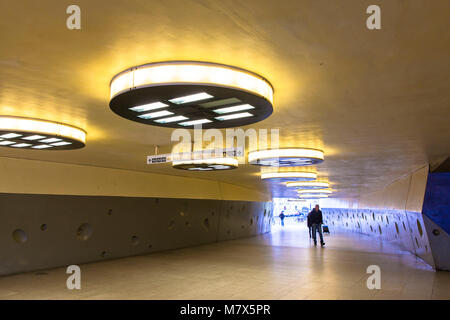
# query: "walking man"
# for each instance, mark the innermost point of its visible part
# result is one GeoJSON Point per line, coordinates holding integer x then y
{"type": "Point", "coordinates": [282, 218]}
{"type": "Point", "coordinates": [315, 217]}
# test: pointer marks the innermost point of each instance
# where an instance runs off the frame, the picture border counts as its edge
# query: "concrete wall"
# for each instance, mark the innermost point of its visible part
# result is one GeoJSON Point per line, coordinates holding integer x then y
{"type": "Point", "coordinates": [391, 214]}
{"type": "Point", "coordinates": [44, 231]}
{"type": "Point", "coordinates": [41, 177]}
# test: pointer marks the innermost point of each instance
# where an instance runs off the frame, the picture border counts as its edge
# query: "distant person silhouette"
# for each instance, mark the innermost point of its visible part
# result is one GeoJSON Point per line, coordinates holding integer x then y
{"type": "Point", "coordinates": [282, 216]}
{"type": "Point", "coordinates": [315, 217]}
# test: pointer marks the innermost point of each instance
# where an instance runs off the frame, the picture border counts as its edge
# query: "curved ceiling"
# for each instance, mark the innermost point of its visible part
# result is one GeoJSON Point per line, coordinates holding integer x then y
{"type": "Point", "coordinates": [376, 101]}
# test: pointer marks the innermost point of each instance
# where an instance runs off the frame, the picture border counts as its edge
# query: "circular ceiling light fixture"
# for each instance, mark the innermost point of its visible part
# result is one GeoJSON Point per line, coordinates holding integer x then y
{"type": "Point", "coordinates": [309, 185]}
{"type": "Point", "coordinates": [289, 176]}
{"type": "Point", "coordinates": [181, 94]}
{"type": "Point", "coordinates": [206, 164]}
{"type": "Point", "coordinates": [37, 134]}
{"type": "Point", "coordinates": [286, 157]}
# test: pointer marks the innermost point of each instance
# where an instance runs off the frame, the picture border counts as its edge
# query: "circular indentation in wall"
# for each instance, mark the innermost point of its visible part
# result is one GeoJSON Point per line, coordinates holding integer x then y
{"type": "Point", "coordinates": [171, 224]}
{"type": "Point", "coordinates": [187, 224]}
{"type": "Point", "coordinates": [212, 213]}
{"type": "Point", "coordinates": [150, 246]}
{"type": "Point", "coordinates": [206, 223]}
{"type": "Point", "coordinates": [436, 232]}
{"type": "Point", "coordinates": [419, 228]}
{"type": "Point", "coordinates": [84, 232]}
{"type": "Point", "coordinates": [396, 228]}
{"type": "Point", "coordinates": [379, 229]}
{"type": "Point", "coordinates": [135, 240]}
{"type": "Point", "coordinates": [417, 242]}
{"type": "Point", "coordinates": [19, 236]}
{"type": "Point", "coordinates": [43, 227]}
{"type": "Point", "coordinates": [110, 212]}
{"type": "Point", "coordinates": [243, 227]}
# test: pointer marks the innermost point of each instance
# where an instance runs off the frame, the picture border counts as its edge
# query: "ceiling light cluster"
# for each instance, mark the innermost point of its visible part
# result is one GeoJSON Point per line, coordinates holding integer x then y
{"type": "Point", "coordinates": [180, 94]}
{"type": "Point", "coordinates": [184, 94]}
{"type": "Point", "coordinates": [37, 134]}
{"type": "Point", "coordinates": [291, 157]}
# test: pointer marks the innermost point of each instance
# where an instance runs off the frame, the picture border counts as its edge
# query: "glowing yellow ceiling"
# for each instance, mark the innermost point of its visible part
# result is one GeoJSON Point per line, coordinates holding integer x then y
{"type": "Point", "coordinates": [376, 101]}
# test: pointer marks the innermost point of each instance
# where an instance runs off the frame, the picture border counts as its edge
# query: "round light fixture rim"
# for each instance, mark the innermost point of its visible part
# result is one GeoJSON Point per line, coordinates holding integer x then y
{"type": "Point", "coordinates": [196, 62]}
{"type": "Point", "coordinates": [43, 120]}
{"type": "Point", "coordinates": [68, 137]}
{"type": "Point", "coordinates": [288, 148]}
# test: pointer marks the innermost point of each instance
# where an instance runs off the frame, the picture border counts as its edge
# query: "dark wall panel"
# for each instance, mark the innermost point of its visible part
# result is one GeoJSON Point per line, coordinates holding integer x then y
{"type": "Point", "coordinates": [44, 231]}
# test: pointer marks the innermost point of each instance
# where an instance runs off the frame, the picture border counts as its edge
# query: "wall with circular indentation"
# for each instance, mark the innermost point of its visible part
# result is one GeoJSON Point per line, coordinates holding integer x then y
{"type": "Point", "coordinates": [45, 231]}
{"type": "Point", "coordinates": [392, 214]}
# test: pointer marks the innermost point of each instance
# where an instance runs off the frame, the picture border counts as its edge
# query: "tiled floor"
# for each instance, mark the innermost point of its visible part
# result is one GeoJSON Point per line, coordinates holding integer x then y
{"type": "Point", "coordinates": [281, 265]}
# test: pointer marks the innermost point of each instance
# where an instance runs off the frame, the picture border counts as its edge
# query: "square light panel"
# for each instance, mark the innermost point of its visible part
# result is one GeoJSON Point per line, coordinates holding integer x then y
{"type": "Point", "coordinates": [240, 107]}
{"type": "Point", "coordinates": [149, 106]}
{"type": "Point", "coordinates": [234, 116]}
{"type": "Point", "coordinates": [191, 98]}
{"type": "Point", "coordinates": [155, 114]}
{"type": "Point", "coordinates": [10, 135]}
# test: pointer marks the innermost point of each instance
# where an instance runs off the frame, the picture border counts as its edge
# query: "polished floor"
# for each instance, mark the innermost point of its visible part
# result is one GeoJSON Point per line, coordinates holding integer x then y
{"type": "Point", "coordinates": [280, 265]}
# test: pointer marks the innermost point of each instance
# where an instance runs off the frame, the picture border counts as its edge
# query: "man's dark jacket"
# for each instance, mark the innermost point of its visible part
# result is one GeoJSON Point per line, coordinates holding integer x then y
{"type": "Point", "coordinates": [308, 220]}
{"type": "Point", "coordinates": [315, 217]}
